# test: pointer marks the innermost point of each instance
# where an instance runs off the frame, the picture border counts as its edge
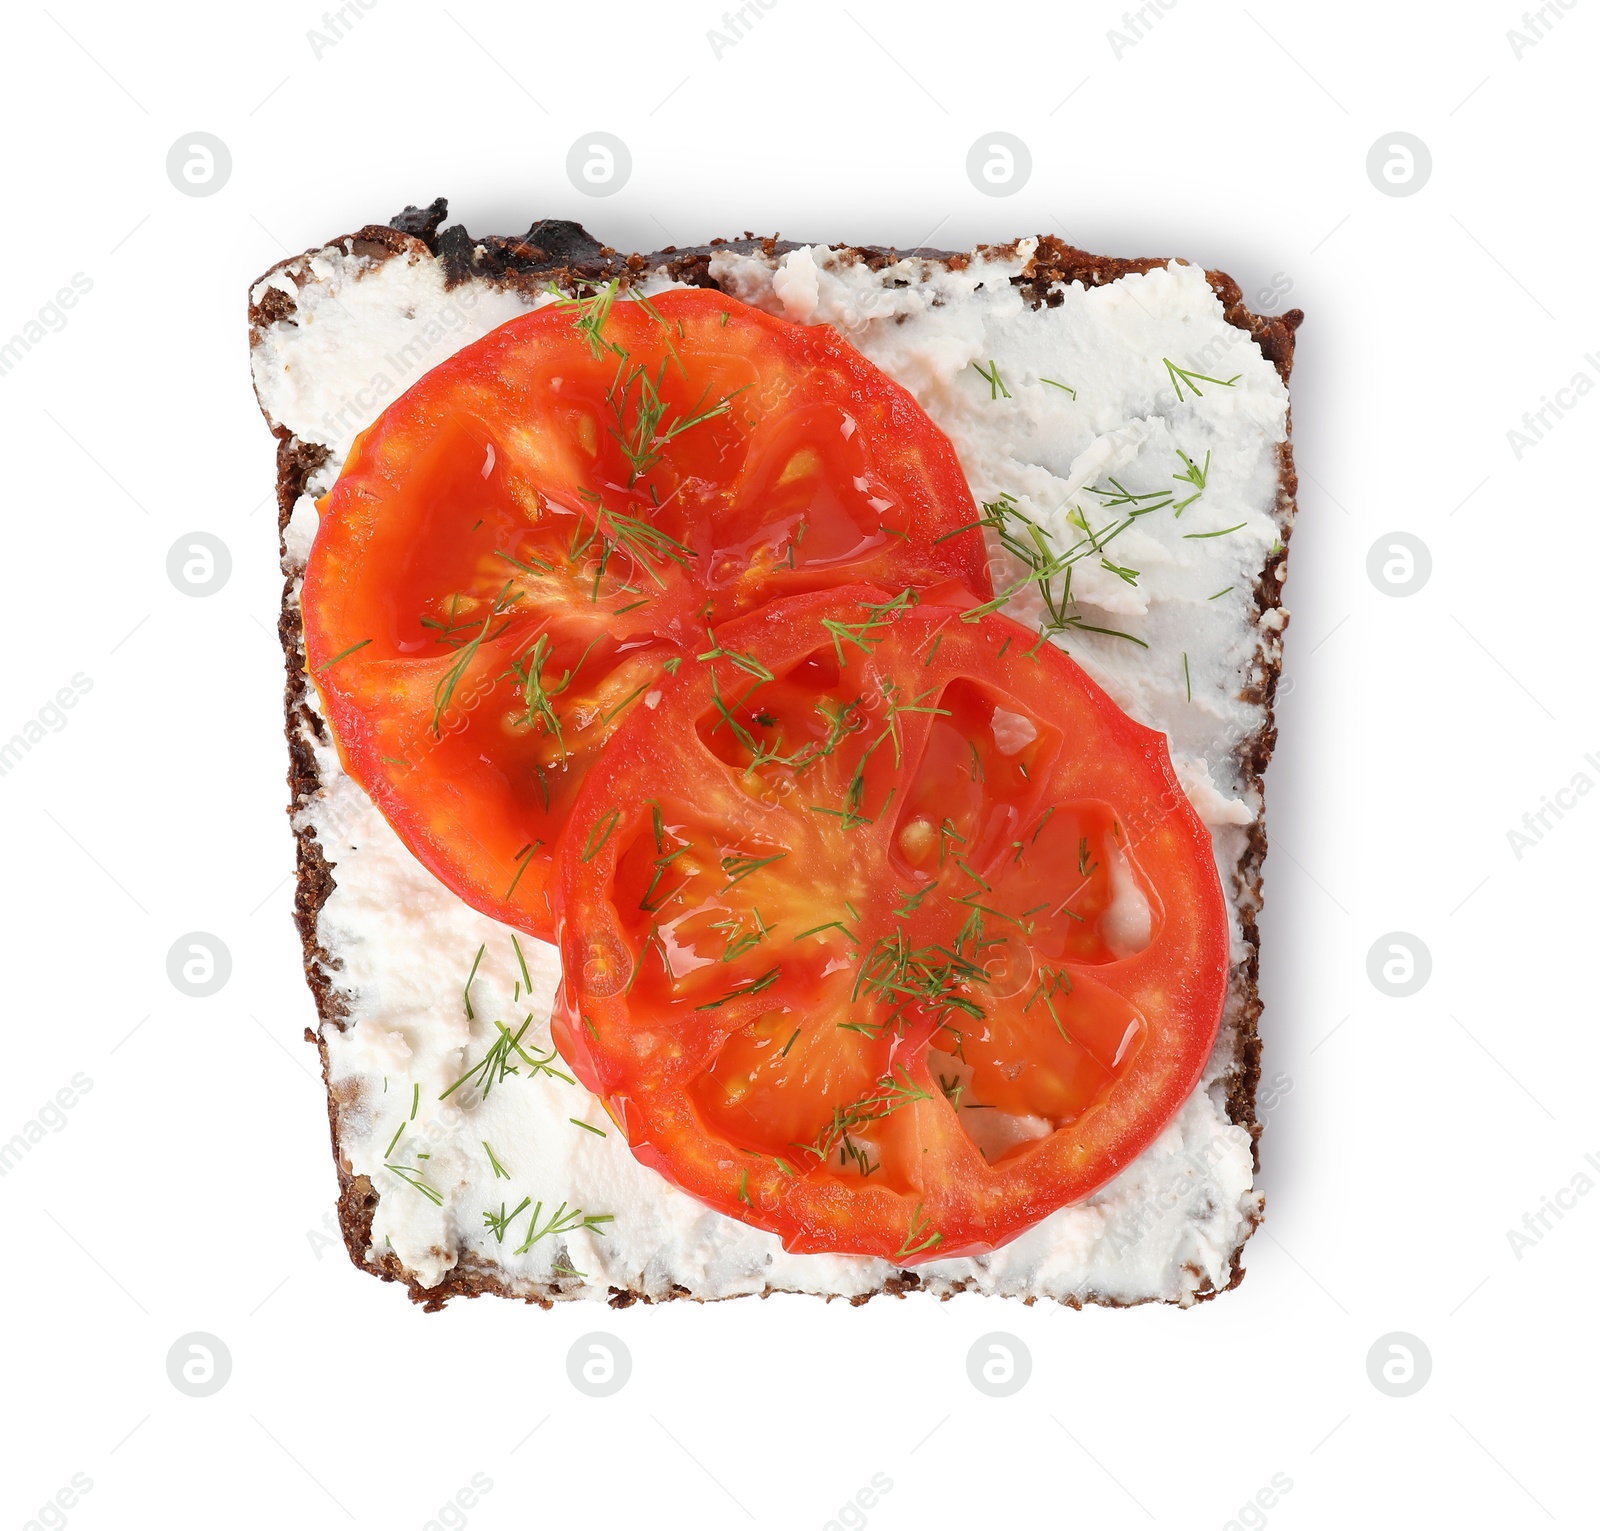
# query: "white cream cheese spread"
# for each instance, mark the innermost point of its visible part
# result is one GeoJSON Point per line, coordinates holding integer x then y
{"type": "Point", "coordinates": [1046, 406]}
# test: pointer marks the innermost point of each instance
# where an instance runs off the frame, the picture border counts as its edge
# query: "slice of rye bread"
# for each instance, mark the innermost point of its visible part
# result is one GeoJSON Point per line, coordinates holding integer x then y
{"type": "Point", "coordinates": [564, 254]}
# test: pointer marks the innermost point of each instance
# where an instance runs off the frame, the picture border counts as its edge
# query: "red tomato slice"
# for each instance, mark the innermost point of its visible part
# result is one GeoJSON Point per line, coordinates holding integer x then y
{"type": "Point", "coordinates": [888, 931]}
{"type": "Point", "coordinates": [523, 545]}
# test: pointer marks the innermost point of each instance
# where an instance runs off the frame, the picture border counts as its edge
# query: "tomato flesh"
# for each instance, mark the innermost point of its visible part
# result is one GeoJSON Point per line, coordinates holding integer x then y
{"type": "Point", "coordinates": [888, 931]}
{"type": "Point", "coordinates": [525, 545]}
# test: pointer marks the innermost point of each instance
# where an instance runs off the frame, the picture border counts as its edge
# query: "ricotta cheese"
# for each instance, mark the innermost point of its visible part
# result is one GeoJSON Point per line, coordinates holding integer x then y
{"type": "Point", "coordinates": [1069, 398]}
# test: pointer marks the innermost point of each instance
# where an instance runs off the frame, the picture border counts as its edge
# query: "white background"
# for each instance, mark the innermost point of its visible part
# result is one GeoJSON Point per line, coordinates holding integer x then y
{"type": "Point", "coordinates": [1409, 1135]}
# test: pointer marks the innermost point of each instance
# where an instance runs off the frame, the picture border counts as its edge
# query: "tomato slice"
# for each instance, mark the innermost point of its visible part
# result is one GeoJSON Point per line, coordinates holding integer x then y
{"type": "Point", "coordinates": [524, 545]}
{"type": "Point", "coordinates": [888, 931]}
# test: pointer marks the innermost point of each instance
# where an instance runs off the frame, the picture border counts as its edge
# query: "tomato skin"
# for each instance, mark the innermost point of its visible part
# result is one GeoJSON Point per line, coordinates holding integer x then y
{"type": "Point", "coordinates": [646, 1014]}
{"type": "Point", "coordinates": [464, 529]}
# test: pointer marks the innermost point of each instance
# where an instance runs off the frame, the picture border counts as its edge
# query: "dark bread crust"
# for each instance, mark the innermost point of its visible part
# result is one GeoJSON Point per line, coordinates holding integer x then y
{"type": "Point", "coordinates": [563, 254]}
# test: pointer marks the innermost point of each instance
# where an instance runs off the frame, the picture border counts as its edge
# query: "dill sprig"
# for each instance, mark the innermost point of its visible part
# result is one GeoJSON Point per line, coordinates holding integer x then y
{"type": "Point", "coordinates": [522, 962]}
{"type": "Point", "coordinates": [1201, 536]}
{"type": "Point", "coordinates": [523, 859]}
{"type": "Point", "coordinates": [851, 814]}
{"type": "Point", "coordinates": [619, 534]}
{"type": "Point", "coordinates": [617, 707]}
{"type": "Point", "coordinates": [917, 1237]}
{"type": "Point", "coordinates": [644, 951]}
{"type": "Point", "coordinates": [1179, 378]}
{"type": "Point", "coordinates": [533, 569]}
{"type": "Point", "coordinates": [1023, 923]}
{"type": "Point", "coordinates": [1109, 632]}
{"type": "Point", "coordinates": [600, 834]}
{"type": "Point", "coordinates": [562, 1221]}
{"type": "Point", "coordinates": [746, 662]}
{"type": "Point", "coordinates": [737, 940]}
{"type": "Point", "coordinates": [962, 864]}
{"type": "Point", "coordinates": [844, 721]}
{"type": "Point", "coordinates": [913, 901]}
{"type": "Point", "coordinates": [737, 867]}
{"type": "Point", "coordinates": [414, 1179]}
{"type": "Point", "coordinates": [1050, 984]}
{"type": "Point", "coordinates": [744, 990]}
{"type": "Point", "coordinates": [661, 864]}
{"type": "Point", "coordinates": [500, 1171]}
{"type": "Point", "coordinates": [895, 973]}
{"type": "Point", "coordinates": [498, 1222]}
{"type": "Point", "coordinates": [1117, 496]}
{"type": "Point", "coordinates": [890, 1094]}
{"type": "Point", "coordinates": [538, 694]}
{"type": "Point", "coordinates": [879, 615]}
{"type": "Point", "coordinates": [839, 925]}
{"type": "Point", "coordinates": [1193, 473]}
{"type": "Point", "coordinates": [763, 753]}
{"type": "Point", "coordinates": [343, 654]}
{"type": "Point", "coordinates": [444, 692]}
{"type": "Point", "coordinates": [991, 375]}
{"type": "Point", "coordinates": [590, 314]}
{"type": "Point", "coordinates": [1027, 541]}
{"type": "Point", "coordinates": [497, 1066]}
{"type": "Point", "coordinates": [448, 629]}
{"type": "Point", "coordinates": [466, 988]}
{"type": "Point", "coordinates": [642, 423]}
